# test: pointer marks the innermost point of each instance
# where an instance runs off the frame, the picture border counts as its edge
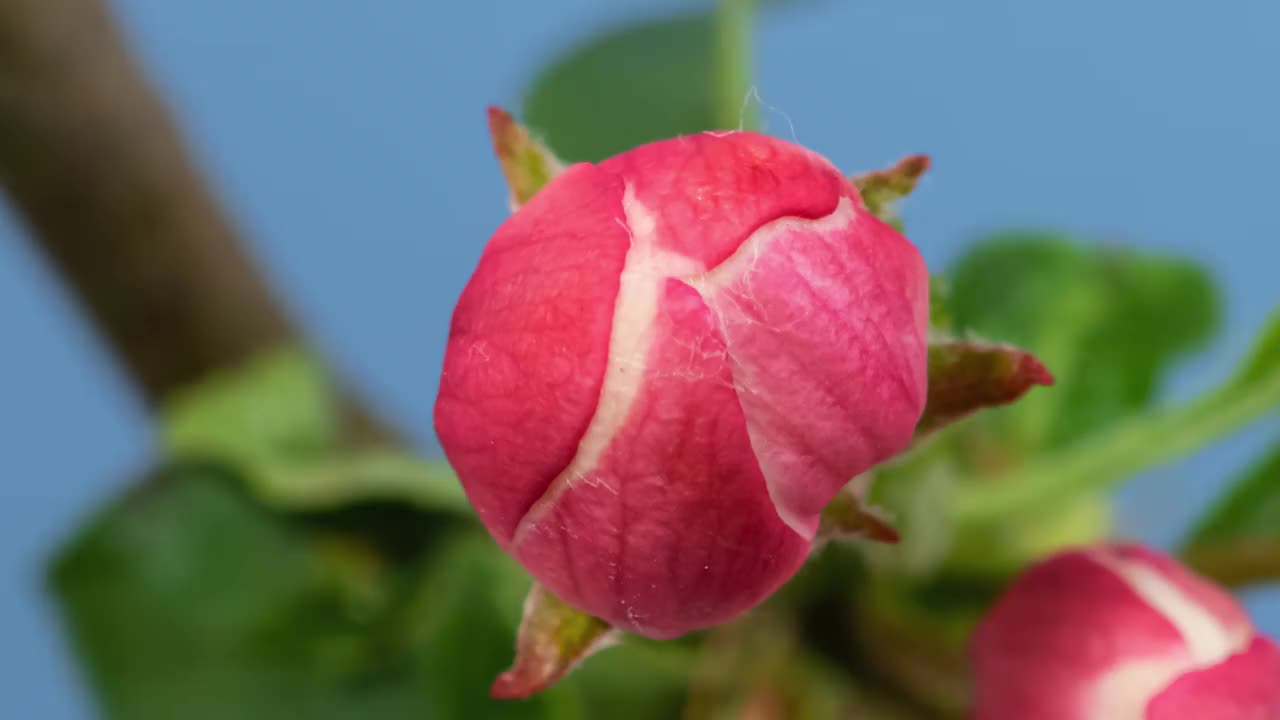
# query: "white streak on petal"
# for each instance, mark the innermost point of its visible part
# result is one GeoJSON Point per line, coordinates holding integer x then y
{"type": "Point", "coordinates": [736, 271]}
{"type": "Point", "coordinates": [646, 269]}
{"type": "Point", "coordinates": [1125, 690]}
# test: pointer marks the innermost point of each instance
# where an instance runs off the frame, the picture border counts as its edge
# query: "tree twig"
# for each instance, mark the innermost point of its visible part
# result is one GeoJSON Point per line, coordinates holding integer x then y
{"type": "Point", "coordinates": [96, 168]}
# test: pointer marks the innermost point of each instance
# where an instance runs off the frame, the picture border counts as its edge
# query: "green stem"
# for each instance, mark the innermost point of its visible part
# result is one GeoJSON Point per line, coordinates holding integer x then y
{"type": "Point", "coordinates": [733, 31]}
{"type": "Point", "coordinates": [1133, 445]}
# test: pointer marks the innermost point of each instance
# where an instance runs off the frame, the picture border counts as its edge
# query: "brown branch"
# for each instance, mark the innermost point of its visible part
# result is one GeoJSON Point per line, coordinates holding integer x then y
{"type": "Point", "coordinates": [1237, 563]}
{"type": "Point", "coordinates": [96, 168]}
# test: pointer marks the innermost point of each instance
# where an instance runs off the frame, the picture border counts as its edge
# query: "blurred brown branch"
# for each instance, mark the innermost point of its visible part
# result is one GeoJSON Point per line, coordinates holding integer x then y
{"type": "Point", "coordinates": [1237, 563]}
{"type": "Point", "coordinates": [98, 171]}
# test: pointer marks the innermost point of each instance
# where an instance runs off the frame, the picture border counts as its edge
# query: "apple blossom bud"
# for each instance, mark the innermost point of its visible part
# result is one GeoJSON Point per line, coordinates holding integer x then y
{"type": "Point", "coordinates": [1120, 632]}
{"type": "Point", "coordinates": [666, 365]}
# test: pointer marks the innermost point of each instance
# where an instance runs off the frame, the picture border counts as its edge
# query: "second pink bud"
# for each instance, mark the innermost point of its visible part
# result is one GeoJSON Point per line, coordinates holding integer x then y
{"type": "Point", "coordinates": [1121, 632]}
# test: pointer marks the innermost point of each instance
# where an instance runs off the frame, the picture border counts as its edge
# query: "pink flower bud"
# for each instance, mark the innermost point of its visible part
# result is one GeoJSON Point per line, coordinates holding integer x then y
{"type": "Point", "coordinates": [666, 364]}
{"type": "Point", "coordinates": [1121, 632]}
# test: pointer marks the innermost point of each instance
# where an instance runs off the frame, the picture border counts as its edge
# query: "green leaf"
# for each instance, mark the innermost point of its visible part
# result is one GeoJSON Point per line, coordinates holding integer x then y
{"type": "Point", "coordinates": [939, 303]}
{"type": "Point", "coordinates": [360, 476]}
{"type": "Point", "coordinates": [278, 405]}
{"type": "Point", "coordinates": [276, 420]}
{"type": "Point", "coordinates": [627, 87]}
{"type": "Point", "coordinates": [918, 632]}
{"type": "Point", "coordinates": [1133, 444]}
{"type": "Point", "coordinates": [915, 491]}
{"type": "Point", "coordinates": [1237, 542]}
{"type": "Point", "coordinates": [466, 614]}
{"type": "Point", "coordinates": [1108, 322]}
{"type": "Point", "coordinates": [637, 680]}
{"type": "Point", "coordinates": [188, 598]}
{"type": "Point", "coordinates": [759, 669]}
{"type": "Point", "coordinates": [463, 618]}
{"type": "Point", "coordinates": [1263, 360]}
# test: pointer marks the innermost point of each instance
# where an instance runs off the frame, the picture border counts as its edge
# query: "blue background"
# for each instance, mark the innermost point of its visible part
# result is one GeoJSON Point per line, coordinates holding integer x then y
{"type": "Point", "coordinates": [348, 139]}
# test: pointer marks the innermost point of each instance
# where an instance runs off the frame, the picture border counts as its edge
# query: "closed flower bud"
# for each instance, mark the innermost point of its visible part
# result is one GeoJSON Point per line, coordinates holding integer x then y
{"type": "Point", "coordinates": [1121, 632]}
{"type": "Point", "coordinates": [666, 364]}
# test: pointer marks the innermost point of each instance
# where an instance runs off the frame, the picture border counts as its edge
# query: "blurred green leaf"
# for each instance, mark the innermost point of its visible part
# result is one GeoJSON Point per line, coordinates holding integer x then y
{"type": "Point", "coordinates": [466, 614]}
{"type": "Point", "coordinates": [187, 600]}
{"type": "Point", "coordinates": [1237, 541]}
{"type": "Point", "coordinates": [1107, 322]}
{"type": "Point", "coordinates": [916, 635]}
{"type": "Point", "coordinates": [915, 491]}
{"type": "Point", "coordinates": [190, 599]}
{"type": "Point", "coordinates": [939, 303]}
{"type": "Point", "coordinates": [627, 87]}
{"type": "Point", "coordinates": [1263, 360]}
{"type": "Point", "coordinates": [464, 619]}
{"type": "Point", "coordinates": [1006, 547]}
{"type": "Point", "coordinates": [276, 420]}
{"type": "Point", "coordinates": [759, 669]}
{"type": "Point", "coordinates": [1132, 444]}
{"type": "Point", "coordinates": [279, 405]}
{"type": "Point", "coordinates": [360, 476]}
{"type": "Point", "coordinates": [637, 680]}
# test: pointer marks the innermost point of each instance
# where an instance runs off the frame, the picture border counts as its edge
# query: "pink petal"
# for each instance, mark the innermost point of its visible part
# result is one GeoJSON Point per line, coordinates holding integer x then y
{"type": "Point", "coordinates": [673, 529]}
{"type": "Point", "coordinates": [1245, 687]}
{"type": "Point", "coordinates": [1208, 596]}
{"type": "Point", "coordinates": [1054, 636]}
{"type": "Point", "coordinates": [831, 373]}
{"type": "Point", "coordinates": [709, 191]}
{"type": "Point", "coordinates": [529, 343]}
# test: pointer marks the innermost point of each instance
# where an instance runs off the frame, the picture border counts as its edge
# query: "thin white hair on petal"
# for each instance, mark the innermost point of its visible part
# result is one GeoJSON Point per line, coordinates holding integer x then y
{"type": "Point", "coordinates": [753, 94]}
